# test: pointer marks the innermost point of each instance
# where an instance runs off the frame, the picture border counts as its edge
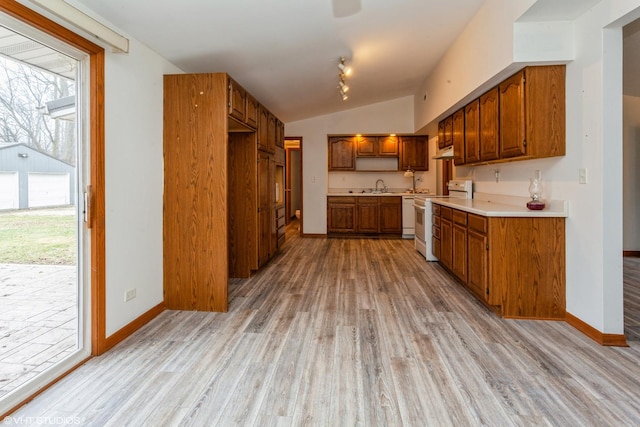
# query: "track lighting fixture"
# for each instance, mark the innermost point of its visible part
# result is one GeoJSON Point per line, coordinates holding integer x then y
{"type": "Point", "coordinates": [344, 72]}
{"type": "Point", "coordinates": [344, 69]}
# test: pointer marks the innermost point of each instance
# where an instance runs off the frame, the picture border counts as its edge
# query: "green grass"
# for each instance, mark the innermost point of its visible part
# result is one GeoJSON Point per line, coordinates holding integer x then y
{"type": "Point", "coordinates": [34, 238]}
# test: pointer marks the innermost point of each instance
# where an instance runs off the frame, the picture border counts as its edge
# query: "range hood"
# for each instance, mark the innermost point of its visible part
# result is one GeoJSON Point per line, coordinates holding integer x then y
{"type": "Point", "coordinates": [447, 153]}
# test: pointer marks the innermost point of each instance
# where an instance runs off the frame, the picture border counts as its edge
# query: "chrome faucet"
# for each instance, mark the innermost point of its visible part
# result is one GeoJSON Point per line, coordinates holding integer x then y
{"type": "Point", "coordinates": [384, 187]}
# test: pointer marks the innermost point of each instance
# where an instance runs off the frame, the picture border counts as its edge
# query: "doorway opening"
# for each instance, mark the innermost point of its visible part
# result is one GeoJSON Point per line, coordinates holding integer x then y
{"type": "Point", "coordinates": [631, 179]}
{"type": "Point", "coordinates": [293, 182]}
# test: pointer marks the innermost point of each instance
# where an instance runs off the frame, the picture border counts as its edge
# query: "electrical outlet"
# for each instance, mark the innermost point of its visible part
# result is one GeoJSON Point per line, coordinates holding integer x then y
{"type": "Point", "coordinates": [129, 295]}
{"type": "Point", "coordinates": [582, 175]}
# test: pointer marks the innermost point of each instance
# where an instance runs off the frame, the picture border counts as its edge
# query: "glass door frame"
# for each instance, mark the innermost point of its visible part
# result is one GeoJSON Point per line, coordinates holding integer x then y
{"type": "Point", "coordinates": [93, 341]}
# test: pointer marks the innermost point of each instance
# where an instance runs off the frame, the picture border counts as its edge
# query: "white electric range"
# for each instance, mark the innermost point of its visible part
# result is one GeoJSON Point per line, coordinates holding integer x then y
{"type": "Point", "coordinates": [458, 189]}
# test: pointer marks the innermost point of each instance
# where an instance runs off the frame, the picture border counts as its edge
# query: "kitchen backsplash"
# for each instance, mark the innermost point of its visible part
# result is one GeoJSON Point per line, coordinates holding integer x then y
{"type": "Point", "coordinates": [395, 181]}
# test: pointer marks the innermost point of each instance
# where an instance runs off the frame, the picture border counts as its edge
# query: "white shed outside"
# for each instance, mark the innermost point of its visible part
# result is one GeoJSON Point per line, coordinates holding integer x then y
{"type": "Point", "coordinates": [9, 190]}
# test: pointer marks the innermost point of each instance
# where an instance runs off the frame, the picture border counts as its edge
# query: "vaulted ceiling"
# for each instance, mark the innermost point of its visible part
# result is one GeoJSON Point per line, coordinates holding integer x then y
{"type": "Point", "coordinates": [286, 52]}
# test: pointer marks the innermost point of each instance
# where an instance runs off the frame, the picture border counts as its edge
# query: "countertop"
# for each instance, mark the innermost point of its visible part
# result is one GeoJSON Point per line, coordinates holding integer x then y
{"type": "Point", "coordinates": [505, 206]}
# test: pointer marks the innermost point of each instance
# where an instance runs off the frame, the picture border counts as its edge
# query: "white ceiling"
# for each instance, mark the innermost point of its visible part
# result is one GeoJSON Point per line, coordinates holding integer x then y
{"type": "Point", "coordinates": [285, 52]}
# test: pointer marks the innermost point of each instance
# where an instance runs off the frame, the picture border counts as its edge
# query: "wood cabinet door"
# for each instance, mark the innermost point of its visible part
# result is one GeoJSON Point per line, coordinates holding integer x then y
{"type": "Point", "coordinates": [413, 153]}
{"type": "Point", "coordinates": [341, 215]}
{"type": "Point", "coordinates": [448, 132]}
{"type": "Point", "coordinates": [458, 137]}
{"type": "Point", "coordinates": [512, 117]}
{"type": "Point", "coordinates": [236, 102]}
{"type": "Point", "coordinates": [366, 146]}
{"type": "Point", "coordinates": [441, 134]}
{"type": "Point", "coordinates": [342, 153]}
{"type": "Point", "coordinates": [391, 215]}
{"type": "Point", "coordinates": [263, 128]}
{"type": "Point", "coordinates": [446, 242]}
{"type": "Point", "coordinates": [472, 132]}
{"type": "Point", "coordinates": [251, 111]}
{"type": "Point", "coordinates": [264, 208]}
{"type": "Point", "coordinates": [388, 146]}
{"type": "Point", "coordinates": [368, 215]}
{"type": "Point", "coordinates": [459, 248]}
{"type": "Point", "coordinates": [279, 133]}
{"type": "Point", "coordinates": [273, 226]}
{"type": "Point", "coordinates": [489, 126]}
{"type": "Point", "coordinates": [477, 264]}
{"type": "Point", "coordinates": [271, 133]}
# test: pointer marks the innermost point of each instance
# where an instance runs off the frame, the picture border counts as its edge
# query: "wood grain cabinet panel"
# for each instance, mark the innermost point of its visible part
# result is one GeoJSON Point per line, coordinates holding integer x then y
{"type": "Point", "coordinates": [514, 265]}
{"type": "Point", "coordinates": [237, 101]}
{"type": "Point", "coordinates": [376, 146]}
{"type": "Point", "coordinates": [489, 126]}
{"type": "Point", "coordinates": [459, 245]}
{"type": "Point", "coordinates": [391, 215]}
{"type": "Point", "coordinates": [446, 236]}
{"type": "Point", "coordinates": [478, 262]}
{"type": "Point", "coordinates": [341, 214]}
{"type": "Point", "coordinates": [342, 153]}
{"type": "Point", "coordinates": [195, 228]}
{"type": "Point", "coordinates": [388, 146]}
{"type": "Point", "coordinates": [472, 132]}
{"type": "Point", "coordinates": [366, 146]}
{"type": "Point", "coordinates": [414, 152]}
{"type": "Point", "coordinates": [368, 215]}
{"type": "Point", "coordinates": [512, 117]}
{"type": "Point", "coordinates": [218, 215]}
{"type": "Point", "coordinates": [458, 137]}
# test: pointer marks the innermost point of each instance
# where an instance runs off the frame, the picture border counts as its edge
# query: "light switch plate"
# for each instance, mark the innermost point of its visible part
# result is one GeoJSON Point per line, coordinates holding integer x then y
{"type": "Point", "coordinates": [582, 175]}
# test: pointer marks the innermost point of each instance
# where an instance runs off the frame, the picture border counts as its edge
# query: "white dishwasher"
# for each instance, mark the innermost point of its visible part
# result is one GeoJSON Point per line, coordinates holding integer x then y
{"type": "Point", "coordinates": [408, 217]}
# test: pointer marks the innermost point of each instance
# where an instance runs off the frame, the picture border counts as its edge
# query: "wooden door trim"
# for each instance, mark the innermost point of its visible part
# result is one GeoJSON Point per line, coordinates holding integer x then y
{"type": "Point", "coordinates": [96, 148]}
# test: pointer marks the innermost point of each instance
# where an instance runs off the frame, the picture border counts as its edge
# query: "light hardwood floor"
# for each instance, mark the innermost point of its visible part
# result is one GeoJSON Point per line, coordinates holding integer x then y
{"type": "Point", "coordinates": [351, 332]}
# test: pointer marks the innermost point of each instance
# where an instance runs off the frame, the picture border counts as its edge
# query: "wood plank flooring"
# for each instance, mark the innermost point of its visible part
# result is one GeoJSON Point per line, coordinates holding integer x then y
{"type": "Point", "coordinates": [350, 332]}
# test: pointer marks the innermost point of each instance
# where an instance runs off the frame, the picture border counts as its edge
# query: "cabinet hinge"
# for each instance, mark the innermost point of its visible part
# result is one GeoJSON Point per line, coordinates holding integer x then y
{"type": "Point", "coordinates": [487, 246]}
{"type": "Point", "coordinates": [524, 143]}
{"type": "Point", "coordinates": [487, 291]}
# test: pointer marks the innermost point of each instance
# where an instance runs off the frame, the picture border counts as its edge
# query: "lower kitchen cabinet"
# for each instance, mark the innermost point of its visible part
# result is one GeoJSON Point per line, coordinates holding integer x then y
{"type": "Point", "coordinates": [390, 215]}
{"type": "Point", "coordinates": [341, 214]}
{"type": "Point", "coordinates": [446, 237]}
{"type": "Point", "coordinates": [477, 247]}
{"type": "Point", "coordinates": [459, 245]}
{"type": "Point", "coordinates": [515, 265]}
{"type": "Point", "coordinates": [367, 215]}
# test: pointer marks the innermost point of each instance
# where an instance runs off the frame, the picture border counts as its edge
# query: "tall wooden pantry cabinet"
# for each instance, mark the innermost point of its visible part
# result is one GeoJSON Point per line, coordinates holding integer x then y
{"type": "Point", "coordinates": [220, 202]}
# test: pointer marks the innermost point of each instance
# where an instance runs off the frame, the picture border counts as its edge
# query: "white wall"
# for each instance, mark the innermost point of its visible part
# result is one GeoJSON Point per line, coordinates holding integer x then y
{"type": "Point", "coordinates": [631, 171]}
{"type": "Point", "coordinates": [483, 50]}
{"type": "Point", "coordinates": [594, 141]}
{"type": "Point", "coordinates": [395, 116]}
{"type": "Point", "coordinates": [134, 181]}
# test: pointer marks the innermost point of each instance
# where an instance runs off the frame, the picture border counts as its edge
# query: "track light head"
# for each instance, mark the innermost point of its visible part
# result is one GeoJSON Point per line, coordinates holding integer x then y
{"type": "Point", "coordinates": [344, 69]}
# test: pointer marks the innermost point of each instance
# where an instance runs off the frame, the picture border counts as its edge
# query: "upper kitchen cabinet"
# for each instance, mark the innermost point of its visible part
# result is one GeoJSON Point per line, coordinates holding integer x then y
{"type": "Point", "coordinates": [512, 117]}
{"type": "Point", "coordinates": [342, 153]}
{"type": "Point", "coordinates": [376, 146]}
{"type": "Point", "coordinates": [489, 126]}
{"type": "Point", "coordinates": [414, 151]}
{"type": "Point", "coordinates": [267, 130]}
{"type": "Point", "coordinates": [521, 118]}
{"type": "Point", "coordinates": [458, 137]}
{"type": "Point", "coordinates": [445, 133]}
{"type": "Point", "coordinates": [472, 132]}
{"type": "Point", "coordinates": [532, 113]}
{"type": "Point", "coordinates": [242, 108]}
